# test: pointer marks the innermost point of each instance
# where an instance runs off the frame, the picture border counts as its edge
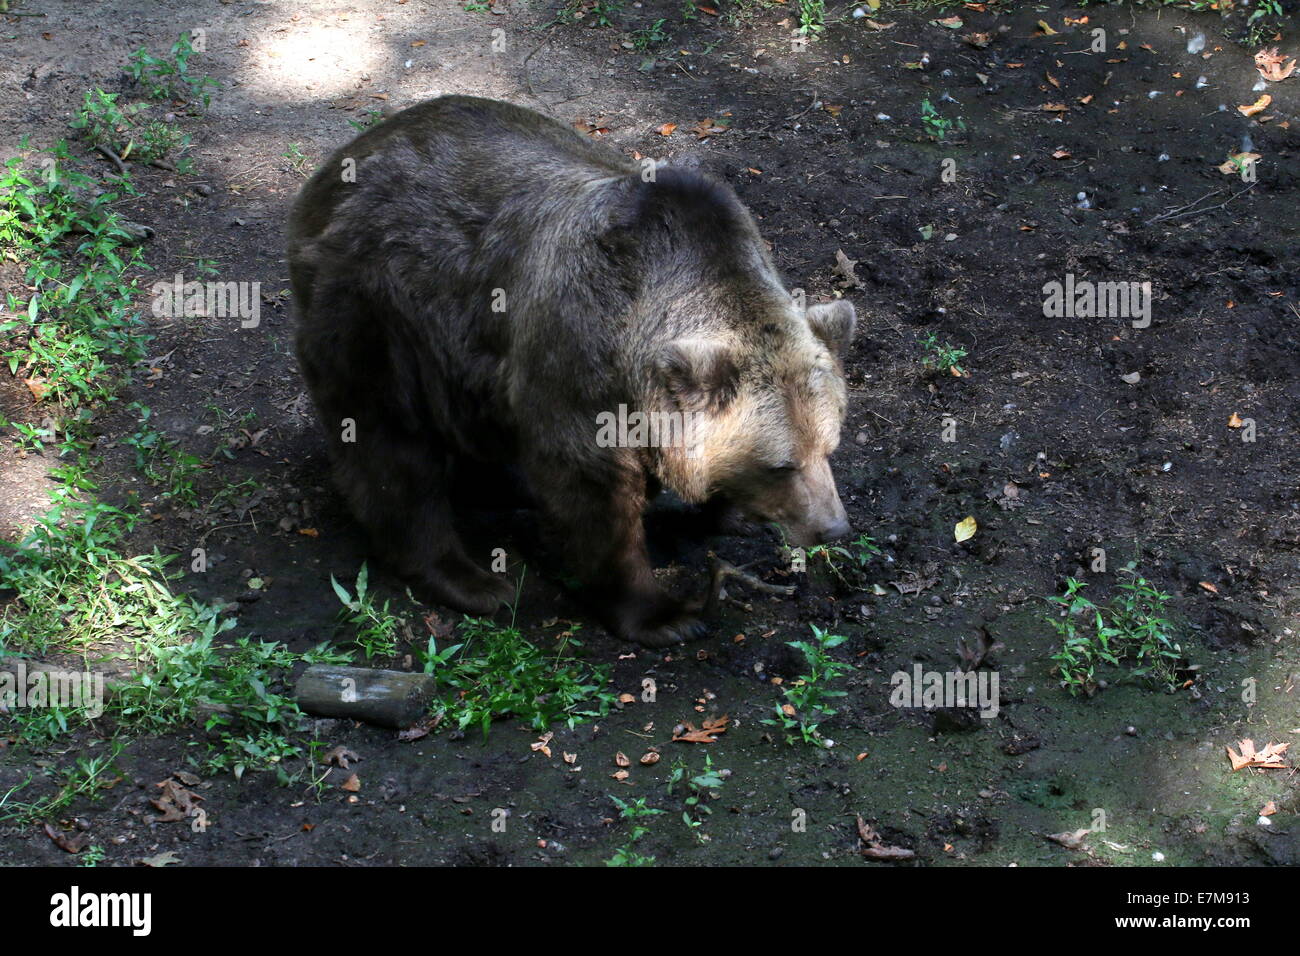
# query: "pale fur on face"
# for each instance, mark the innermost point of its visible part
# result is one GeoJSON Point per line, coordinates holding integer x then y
{"type": "Point", "coordinates": [767, 448]}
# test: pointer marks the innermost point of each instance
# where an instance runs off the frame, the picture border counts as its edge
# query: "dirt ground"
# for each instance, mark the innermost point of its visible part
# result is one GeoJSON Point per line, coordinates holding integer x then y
{"type": "Point", "coordinates": [1057, 447]}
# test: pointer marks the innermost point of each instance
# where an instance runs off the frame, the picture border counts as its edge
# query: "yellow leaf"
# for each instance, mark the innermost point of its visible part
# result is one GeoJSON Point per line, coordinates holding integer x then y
{"type": "Point", "coordinates": [1042, 25]}
{"type": "Point", "coordinates": [1258, 106]}
{"type": "Point", "coordinates": [965, 528]}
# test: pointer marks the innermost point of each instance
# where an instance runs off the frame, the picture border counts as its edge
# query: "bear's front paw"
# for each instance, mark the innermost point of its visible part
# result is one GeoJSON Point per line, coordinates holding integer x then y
{"type": "Point", "coordinates": [467, 589]}
{"type": "Point", "coordinates": [678, 630]}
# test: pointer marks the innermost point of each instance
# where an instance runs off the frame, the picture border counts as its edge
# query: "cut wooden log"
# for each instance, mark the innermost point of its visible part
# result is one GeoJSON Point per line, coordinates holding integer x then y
{"type": "Point", "coordinates": [384, 698]}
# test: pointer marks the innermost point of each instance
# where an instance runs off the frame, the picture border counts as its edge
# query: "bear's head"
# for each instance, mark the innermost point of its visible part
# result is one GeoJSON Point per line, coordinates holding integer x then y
{"type": "Point", "coordinates": [764, 403]}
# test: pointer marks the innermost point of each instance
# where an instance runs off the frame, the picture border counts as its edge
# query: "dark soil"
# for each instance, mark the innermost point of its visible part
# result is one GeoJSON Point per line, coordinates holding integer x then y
{"type": "Point", "coordinates": [827, 148]}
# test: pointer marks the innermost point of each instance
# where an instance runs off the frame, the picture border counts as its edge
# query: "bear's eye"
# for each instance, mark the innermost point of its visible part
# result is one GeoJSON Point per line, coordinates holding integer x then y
{"type": "Point", "coordinates": [783, 468]}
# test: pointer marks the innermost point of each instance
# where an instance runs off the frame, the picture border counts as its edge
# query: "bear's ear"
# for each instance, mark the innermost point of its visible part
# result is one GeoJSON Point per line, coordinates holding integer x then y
{"type": "Point", "coordinates": [833, 323]}
{"type": "Point", "coordinates": [701, 373]}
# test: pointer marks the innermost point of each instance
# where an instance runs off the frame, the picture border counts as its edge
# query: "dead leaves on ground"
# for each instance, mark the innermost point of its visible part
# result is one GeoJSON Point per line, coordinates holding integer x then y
{"type": "Point", "coordinates": [705, 734]}
{"type": "Point", "coordinates": [1236, 162]}
{"type": "Point", "coordinates": [1070, 839]}
{"type": "Point", "coordinates": [873, 848]}
{"type": "Point", "coordinates": [846, 277]}
{"type": "Point", "coordinates": [176, 803]}
{"type": "Point", "coordinates": [1258, 106]}
{"type": "Point", "coordinates": [339, 756]}
{"type": "Point", "coordinates": [1269, 758]}
{"type": "Point", "coordinates": [1274, 66]}
{"type": "Point", "coordinates": [68, 842]}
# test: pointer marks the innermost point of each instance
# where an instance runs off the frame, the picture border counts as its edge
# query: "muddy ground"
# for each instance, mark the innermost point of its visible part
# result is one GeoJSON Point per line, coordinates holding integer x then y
{"type": "Point", "coordinates": [1056, 448]}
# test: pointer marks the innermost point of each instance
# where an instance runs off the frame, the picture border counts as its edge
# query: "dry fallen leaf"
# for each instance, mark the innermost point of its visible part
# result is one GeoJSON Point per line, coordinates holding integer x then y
{"type": "Point", "coordinates": [1061, 154]}
{"type": "Point", "coordinates": [621, 759]}
{"type": "Point", "coordinates": [1071, 840]}
{"type": "Point", "coordinates": [666, 129]}
{"type": "Point", "coordinates": [1270, 757]}
{"type": "Point", "coordinates": [166, 858]}
{"type": "Point", "coordinates": [978, 40]}
{"type": "Point", "coordinates": [67, 842]}
{"type": "Point", "coordinates": [1054, 108]}
{"type": "Point", "coordinates": [1207, 586]}
{"type": "Point", "coordinates": [844, 267]}
{"type": "Point", "coordinates": [874, 849]}
{"type": "Point", "coordinates": [1258, 106]}
{"type": "Point", "coordinates": [1234, 421]}
{"type": "Point", "coordinates": [1273, 66]}
{"type": "Point", "coordinates": [649, 758]}
{"type": "Point", "coordinates": [352, 784]}
{"type": "Point", "coordinates": [1236, 162]}
{"type": "Point", "coordinates": [706, 127]}
{"type": "Point", "coordinates": [340, 756]}
{"type": "Point", "coordinates": [706, 732]}
{"type": "Point", "coordinates": [1270, 808]}
{"type": "Point", "coordinates": [965, 529]}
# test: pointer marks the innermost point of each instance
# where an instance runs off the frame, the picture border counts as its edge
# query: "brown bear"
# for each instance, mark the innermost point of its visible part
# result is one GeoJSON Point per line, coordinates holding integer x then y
{"type": "Point", "coordinates": [478, 283]}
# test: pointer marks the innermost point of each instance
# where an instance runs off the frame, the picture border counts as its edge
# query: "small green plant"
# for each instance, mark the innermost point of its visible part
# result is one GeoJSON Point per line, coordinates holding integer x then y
{"type": "Point", "coordinates": [812, 16]}
{"type": "Point", "coordinates": [498, 672]}
{"type": "Point", "coordinates": [78, 323]}
{"type": "Point", "coordinates": [93, 856]}
{"type": "Point", "coordinates": [634, 811]}
{"type": "Point", "coordinates": [371, 118]}
{"type": "Point", "coordinates": [689, 11]}
{"type": "Point", "coordinates": [857, 554]}
{"type": "Point", "coordinates": [101, 122]}
{"type": "Point", "coordinates": [164, 461]}
{"type": "Point", "coordinates": [942, 357]}
{"type": "Point", "coordinates": [806, 701]}
{"type": "Point", "coordinates": [1263, 21]}
{"type": "Point", "coordinates": [377, 628]}
{"type": "Point", "coordinates": [1132, 632]}
{"type": "Point", "coordinates": [650, 37]}
{"type": "Point", "coordinates": [232, 687]}
{"type": "Point", "coordinates": [604, 11]}
{"type": "Point", "coordinates": [699, 788]}
{"type": "Point", "coordinates": [298, 160]}
{"type": "Point", "coordinates": [169, 77]}
{"type": "Point", "coordinates": [937, 126]}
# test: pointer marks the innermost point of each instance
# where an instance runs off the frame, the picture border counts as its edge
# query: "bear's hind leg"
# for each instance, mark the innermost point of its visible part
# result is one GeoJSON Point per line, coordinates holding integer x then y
{"type": "Point", "coordinates": [397, 488]}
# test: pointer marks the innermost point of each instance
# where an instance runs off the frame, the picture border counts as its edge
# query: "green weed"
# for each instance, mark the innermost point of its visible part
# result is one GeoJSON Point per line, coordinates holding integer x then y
{"type": "Point", "coordinates": [1132, 633]}
{"type": "Point", "coordinates": [169, 77]}
{"type": "Point", "coordinates": [807, 700]}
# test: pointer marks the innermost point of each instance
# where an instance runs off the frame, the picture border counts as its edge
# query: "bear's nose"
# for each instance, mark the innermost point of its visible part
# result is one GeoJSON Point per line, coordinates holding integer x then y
{"type": "Point", "coordinates": [834, 532]}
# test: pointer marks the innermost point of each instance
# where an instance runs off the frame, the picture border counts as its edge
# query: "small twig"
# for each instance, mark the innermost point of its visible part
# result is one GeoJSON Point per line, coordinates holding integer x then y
{"type": "Point", "coordinates": [117, 160]}
{"type": "Point", "coordinates": [1175, 214]}
{"type": "Point", "coordinates": [882, 418]}
{"type": "Point", "coordinates": [723, 570]}
{"type": "Point", "coordinates": [163, 164]}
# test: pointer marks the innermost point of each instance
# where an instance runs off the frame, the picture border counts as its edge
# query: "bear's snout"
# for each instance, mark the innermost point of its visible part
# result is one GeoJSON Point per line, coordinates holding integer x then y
{"type": "Point", "coordinates": [834, 532]}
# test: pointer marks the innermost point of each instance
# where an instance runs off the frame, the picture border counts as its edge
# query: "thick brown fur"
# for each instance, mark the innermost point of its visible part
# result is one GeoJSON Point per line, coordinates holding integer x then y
{"type": "Point", "coordinates": [656, 296]}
